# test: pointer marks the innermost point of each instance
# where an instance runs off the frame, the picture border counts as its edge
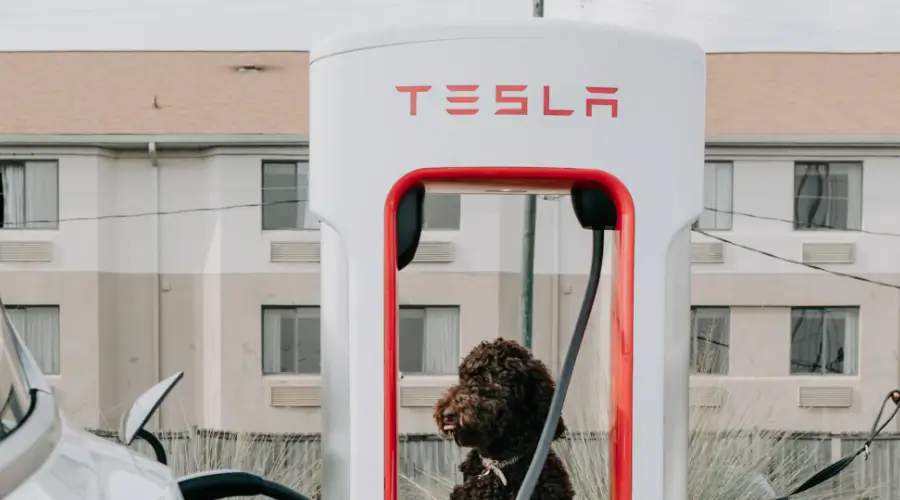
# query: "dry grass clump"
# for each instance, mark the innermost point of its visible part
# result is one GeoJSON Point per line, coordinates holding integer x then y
{"type": "Point", "coordinates": [294, 461]}
{"type": "Point", "coordinates": [729, 458]}
{"type": "Point", "coordinates": [727, 462]}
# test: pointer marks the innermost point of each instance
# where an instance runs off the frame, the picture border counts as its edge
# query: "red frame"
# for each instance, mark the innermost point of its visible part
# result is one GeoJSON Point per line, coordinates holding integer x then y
{"type": "Point", "coordinates": [622, 332]}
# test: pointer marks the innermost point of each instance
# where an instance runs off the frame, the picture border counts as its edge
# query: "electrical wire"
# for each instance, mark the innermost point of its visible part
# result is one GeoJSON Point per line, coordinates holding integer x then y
{"type": "Point", "coordinates": [154, 214]}
{"type": "Point", "coordinates": [265, 204]}
{"type": "Point", "coordinates": [797, 262]}
{"type": "Point", "coordinates": [790, 221]}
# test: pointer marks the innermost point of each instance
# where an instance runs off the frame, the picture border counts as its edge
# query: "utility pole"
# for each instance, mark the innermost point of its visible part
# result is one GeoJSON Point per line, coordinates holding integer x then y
{"type": "Point", "coordinates": [528, 267]}
{"type": "Point", "coordinates": [528, 245]}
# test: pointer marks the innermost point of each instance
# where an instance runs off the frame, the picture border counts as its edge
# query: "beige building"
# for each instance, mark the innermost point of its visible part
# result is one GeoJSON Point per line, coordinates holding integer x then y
{"type": "Point", "coordinates": [172, 251]}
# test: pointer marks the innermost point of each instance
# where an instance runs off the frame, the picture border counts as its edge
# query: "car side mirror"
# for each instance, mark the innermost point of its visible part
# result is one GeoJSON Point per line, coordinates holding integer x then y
{"type": "Point", "coordinates": [134, 420]}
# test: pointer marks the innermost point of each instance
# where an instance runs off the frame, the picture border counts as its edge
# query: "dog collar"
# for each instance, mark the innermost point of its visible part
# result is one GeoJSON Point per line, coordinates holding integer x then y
{"type": "Point", "coordinates": [495, 467]}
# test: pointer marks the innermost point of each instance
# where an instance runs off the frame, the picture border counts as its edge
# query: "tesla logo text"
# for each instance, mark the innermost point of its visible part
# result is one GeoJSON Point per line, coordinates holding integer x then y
{"type": "Point", "coordinates": [512, 100]}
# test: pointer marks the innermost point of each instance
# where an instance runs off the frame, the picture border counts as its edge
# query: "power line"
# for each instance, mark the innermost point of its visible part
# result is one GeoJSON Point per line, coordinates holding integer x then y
{"type": "Point", "coordinates": [797, 262]}
{"type": "Point", "coordinates": [791, 221]}
{"type": "Point", "coordinates": [136, 215]}
{"type": "Point", "coordinates": [264, 204]}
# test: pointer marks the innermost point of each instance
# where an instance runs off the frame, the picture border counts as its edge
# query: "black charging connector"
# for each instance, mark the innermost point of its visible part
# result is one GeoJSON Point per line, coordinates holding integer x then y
{"type": "Point", "coordinates": [593, 207]}
{"type": "Point", "coordinates": [410, 219]}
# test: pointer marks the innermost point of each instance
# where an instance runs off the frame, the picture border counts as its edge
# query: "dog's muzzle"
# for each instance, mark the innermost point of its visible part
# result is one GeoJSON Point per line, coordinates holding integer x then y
{"type": "Point", "coordinates": [449, 421]}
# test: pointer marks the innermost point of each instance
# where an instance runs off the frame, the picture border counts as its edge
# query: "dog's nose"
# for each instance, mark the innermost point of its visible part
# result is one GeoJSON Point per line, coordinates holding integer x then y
{"type": "Point", "coordinates": [448, 416]}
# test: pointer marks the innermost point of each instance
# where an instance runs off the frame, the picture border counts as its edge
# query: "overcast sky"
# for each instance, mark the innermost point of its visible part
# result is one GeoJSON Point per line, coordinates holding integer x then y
{"type": "Point", "coordinates": [719, 25]}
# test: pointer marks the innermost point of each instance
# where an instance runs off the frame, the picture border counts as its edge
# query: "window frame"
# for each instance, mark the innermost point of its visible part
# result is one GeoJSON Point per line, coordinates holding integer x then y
{"type": "Point", "coordinates": [823, 341]}
{"type": "Point", "coordinates": [694, 342]}
{"type": "Point", "coordinates": [425, 375]}
{"type": "Point", "coordinates": [58, 333]}
{"type": "Point", "coordinates": [262, 340]}
{"type": "Point", "coordinates": [262, 183]}
{"type": "Point", "coordinates": [24, 163]}
{"type": "Point", "coordinates": [850, 195]}
{"type": "Point", "coordinates": [730, 214]}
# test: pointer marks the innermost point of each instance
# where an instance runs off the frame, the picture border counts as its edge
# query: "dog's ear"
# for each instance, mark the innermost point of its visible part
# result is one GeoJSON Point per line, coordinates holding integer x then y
{"type": "Point", "coordinates": [541, 381]}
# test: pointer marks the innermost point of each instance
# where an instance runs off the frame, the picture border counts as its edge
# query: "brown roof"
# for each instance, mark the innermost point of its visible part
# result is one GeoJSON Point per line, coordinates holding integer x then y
{"type": "Point", "coordinates": [114, 93]}
{"type": "Point", "coordinates": [803, 94]}
{"type": "Point", "coordinates": [201, 93]}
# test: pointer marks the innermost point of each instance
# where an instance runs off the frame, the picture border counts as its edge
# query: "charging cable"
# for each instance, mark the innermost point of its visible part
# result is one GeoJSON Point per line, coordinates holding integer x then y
{"type": "Point", "coordinates": [565, 373]}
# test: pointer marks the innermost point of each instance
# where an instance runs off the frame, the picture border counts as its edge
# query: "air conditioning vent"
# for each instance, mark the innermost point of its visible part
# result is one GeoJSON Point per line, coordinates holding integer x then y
{"type": "Point", "coordinates": [283, 252]}
{"type": "Point", "coordinates": [26, 251]}
{"type": "Point", "coordinates": [295, 396]}
{"type": "Point", "coordinates": [829, 253]}
{"type": "Point", "coordinates": [825, 397]}
{"type": "Point", "coordinates": [434, 252]}
{"type": "Point", "coordinates": [420, 396]}
{"type": "Point", "coordinates": [707, 253]}
{"type": "Point", "coordinates": [709, 397]}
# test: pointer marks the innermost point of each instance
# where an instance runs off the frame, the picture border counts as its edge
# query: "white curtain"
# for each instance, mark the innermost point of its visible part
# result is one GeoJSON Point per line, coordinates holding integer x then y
{"type": "Point", "coordinates": [845, 183]}
{"type": "Point", "coordinates": [13, 195]}
{"type": "Point", "coordinates": [39, 328]}
{"type": "Point", "coordinates": [272, 340]}
{"type": "Point", "coordinates": [18, 318]}
{"type": "Point", "coordinates": [306, 348]}
{"type": "Point", "coordinates": [306, 218]}
{"type": "Point", "coordinates": [851, 342]}
{"type": "Point", "coordinates": [41, 194]}
{"type": "Point", "coordinates": [441, 346]}
{"type": "Point", "coordinates": [717, 195]}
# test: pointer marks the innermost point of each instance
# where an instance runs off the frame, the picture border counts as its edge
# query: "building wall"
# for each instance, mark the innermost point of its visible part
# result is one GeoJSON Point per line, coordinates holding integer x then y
{"type": "Point", "coordinates": [143, 296]}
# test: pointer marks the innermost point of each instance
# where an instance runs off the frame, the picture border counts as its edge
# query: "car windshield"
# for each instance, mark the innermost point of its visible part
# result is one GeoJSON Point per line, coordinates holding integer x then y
{"type": "Point", "coordinates": [15, 396]}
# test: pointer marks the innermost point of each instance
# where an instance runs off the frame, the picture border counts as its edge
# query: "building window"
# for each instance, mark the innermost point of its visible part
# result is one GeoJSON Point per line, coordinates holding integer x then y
{"type": "Point", "coordinates": [291, 340]}
{"type": "Point", "coordinates": [828, 196]}
{"type": "Point", "coordinates": [442, 211]}
{"type": "Point", "coordinates": [824, 340]}
{"type": "Point", "coordinates": [717, 197]}
{"type": "Point", "coordinates": [285, 195]}
{"type": "Point", "coordinates": [39, 328]}
{"type": "Point", "coordinates": [710, 336]}
{"type": "Point", "coordinates": [29, 194]}
{"type": "Point", "coordinates": [429, 340]}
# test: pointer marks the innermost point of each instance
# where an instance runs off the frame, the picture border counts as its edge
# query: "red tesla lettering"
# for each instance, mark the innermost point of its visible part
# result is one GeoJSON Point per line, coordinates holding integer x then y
{"type": "Point", "coordinates": [553, 112]}
{"type": "Point", "coordinates": [522, 101]}
{"type": "Point", "coordinates": [462, 99]}
{"type": "Point", "coordinates": [612, 103]}
{"type": "Point", "coordinates": [414, 91]}
{"type": "Point", "coordinates": [509, 104]}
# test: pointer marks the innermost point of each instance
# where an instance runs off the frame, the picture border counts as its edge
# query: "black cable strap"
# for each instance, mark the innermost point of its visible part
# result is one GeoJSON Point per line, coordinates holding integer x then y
{"type": "Point", "coordinates": [833, 469]}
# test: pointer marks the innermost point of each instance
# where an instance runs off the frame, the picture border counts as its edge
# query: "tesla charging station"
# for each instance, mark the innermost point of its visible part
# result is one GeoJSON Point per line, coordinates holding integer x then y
{"type": "Point", "coordinates": [545, 104]}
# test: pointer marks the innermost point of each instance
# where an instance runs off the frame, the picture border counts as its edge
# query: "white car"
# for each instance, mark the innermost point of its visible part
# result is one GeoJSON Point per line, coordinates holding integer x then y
{"type": "Point", "coordinates": [44, 457]}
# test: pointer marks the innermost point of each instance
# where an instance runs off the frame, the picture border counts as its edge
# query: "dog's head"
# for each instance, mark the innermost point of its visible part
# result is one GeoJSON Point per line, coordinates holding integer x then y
{"type": "Point", "coordinates": [501, 401]}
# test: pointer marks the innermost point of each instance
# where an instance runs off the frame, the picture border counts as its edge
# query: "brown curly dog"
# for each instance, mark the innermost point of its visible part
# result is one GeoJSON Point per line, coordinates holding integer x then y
{"type": "Point", "coordinates": [498, 409]}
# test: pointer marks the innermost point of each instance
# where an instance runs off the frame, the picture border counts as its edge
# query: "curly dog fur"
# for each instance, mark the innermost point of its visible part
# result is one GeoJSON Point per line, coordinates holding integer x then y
{"type": "Point", "coordinates": [498, 410]}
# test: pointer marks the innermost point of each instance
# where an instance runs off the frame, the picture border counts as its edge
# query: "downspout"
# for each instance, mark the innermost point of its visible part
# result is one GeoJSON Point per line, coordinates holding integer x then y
{"type": "Point", "coordinates": [157, 295]}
